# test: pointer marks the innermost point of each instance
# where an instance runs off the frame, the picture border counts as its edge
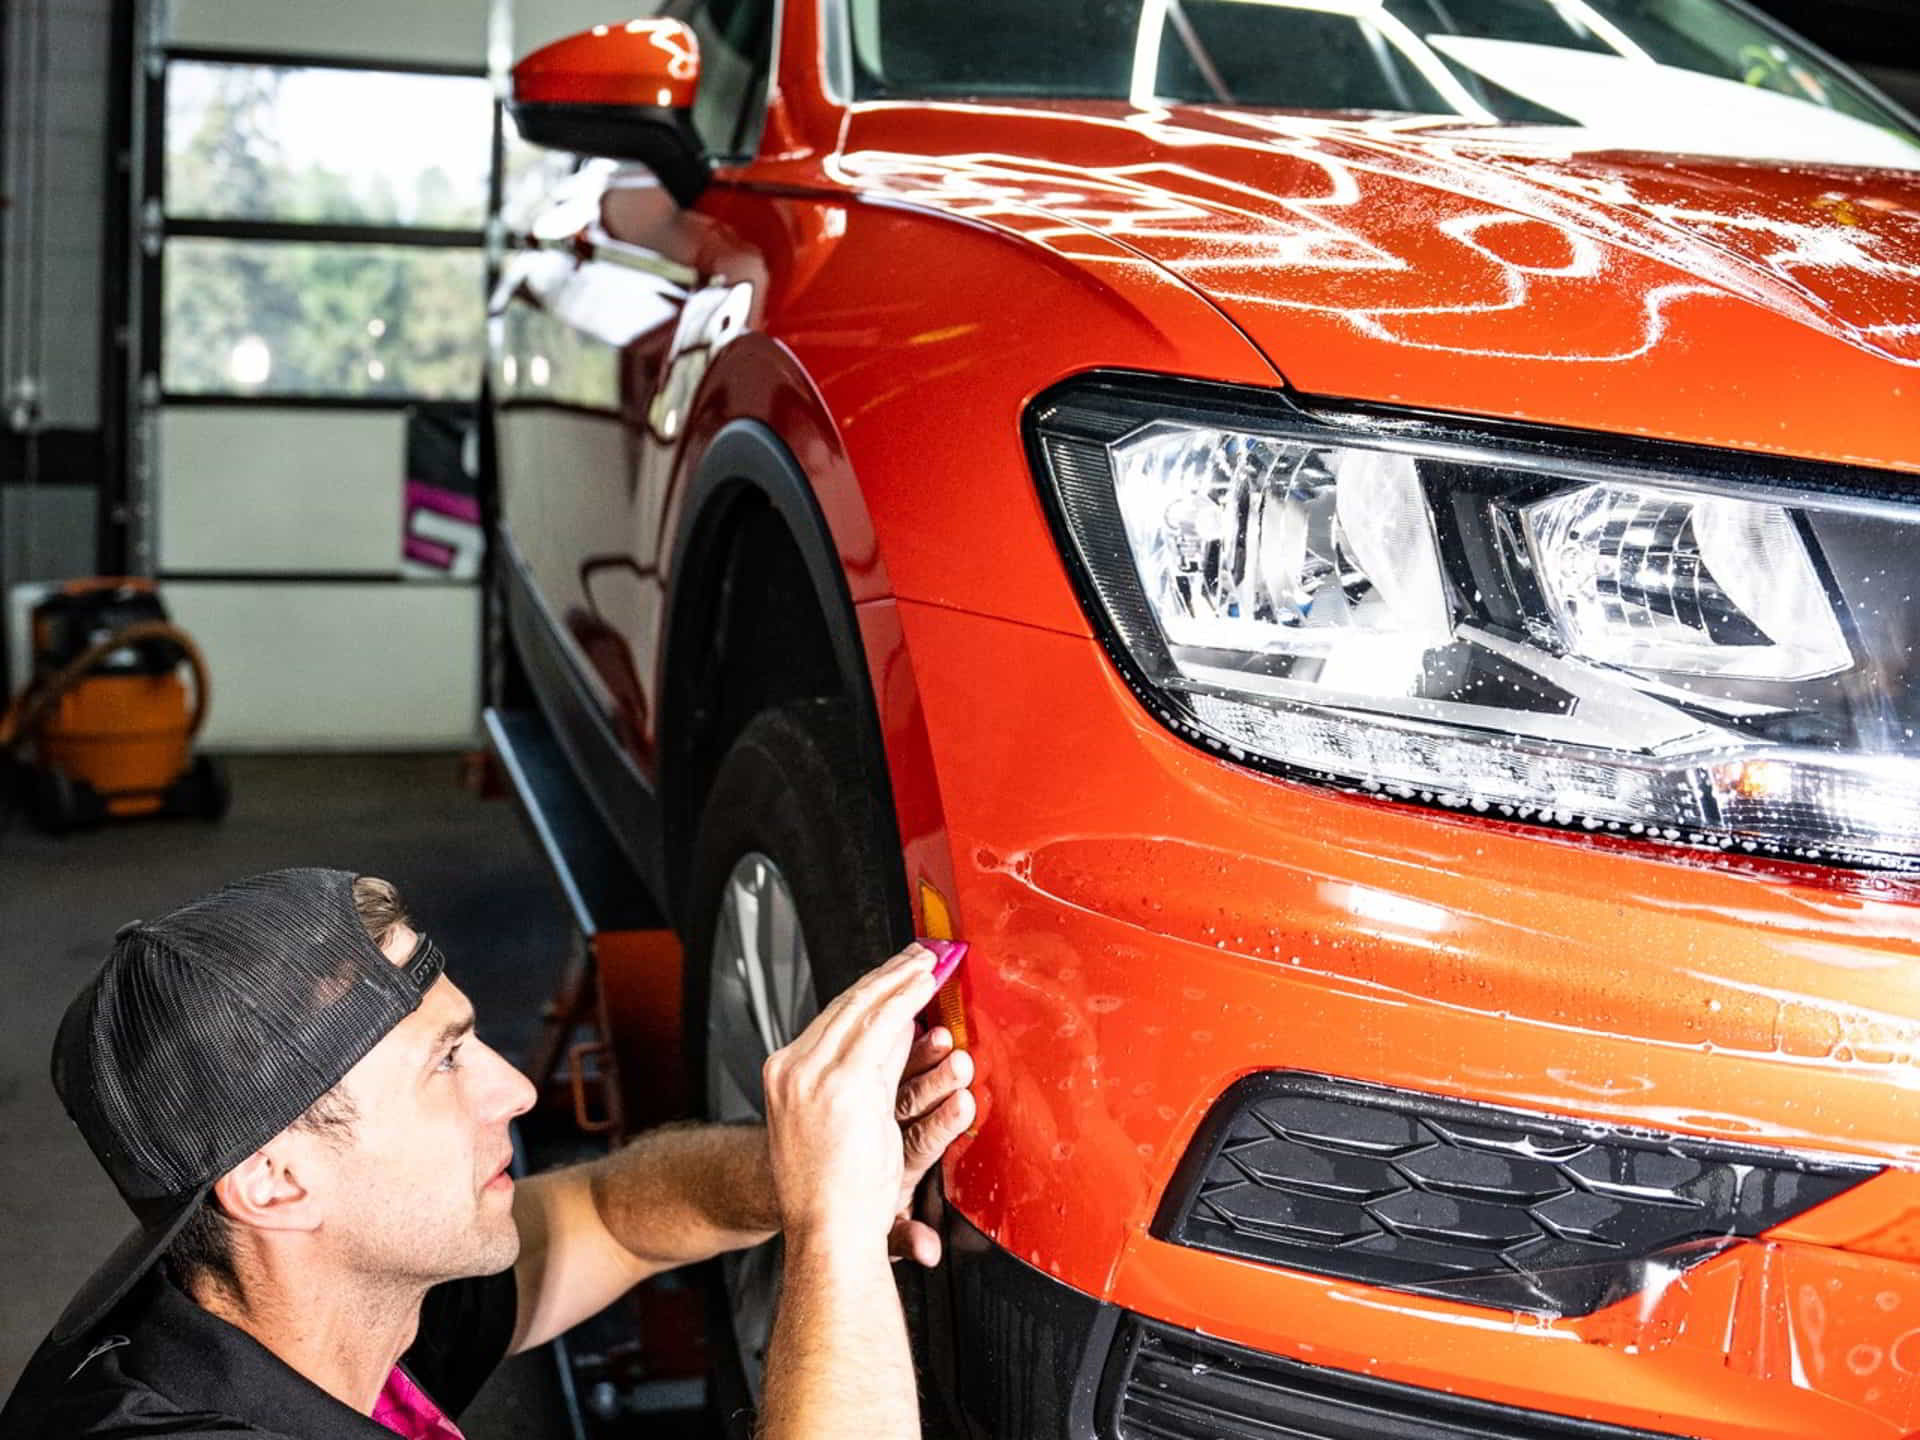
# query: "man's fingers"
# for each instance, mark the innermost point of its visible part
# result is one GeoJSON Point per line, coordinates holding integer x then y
{"type": "Point", "coordinates": [923, 1092]}
{"type": "Point", "coordinates": [852, 1011]}
{"type": "Point", "coordinates": [847, 1015]}
{"type": "Point", "coordinates": [914, 1240]}
{"type": "Point", "coordinates": [878, 1028]}
{"type": "Point", "coordinates": [927, 1138]}
{"type": "Point", "coordinates": [929, 1050]}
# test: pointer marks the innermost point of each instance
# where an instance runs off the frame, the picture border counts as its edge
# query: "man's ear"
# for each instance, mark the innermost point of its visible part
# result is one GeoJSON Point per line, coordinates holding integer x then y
{"type": "Point", "coordinates": [268, 1191]}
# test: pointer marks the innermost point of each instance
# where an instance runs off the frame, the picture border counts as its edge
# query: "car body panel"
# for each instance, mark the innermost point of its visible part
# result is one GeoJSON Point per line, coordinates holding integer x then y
{"type": "Point", "coordinates": [876, 339]}
{"type": "Point", "coordinates": [652, 330]}
{"type": "Point", "coordinates": [902, 700]}
{"type": "Point", "coordinates": [1452, 269]}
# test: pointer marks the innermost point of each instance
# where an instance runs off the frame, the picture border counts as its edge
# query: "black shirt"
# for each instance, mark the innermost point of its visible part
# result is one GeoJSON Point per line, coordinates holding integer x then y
{"type": "Point", "coordinates": [161, 1365]}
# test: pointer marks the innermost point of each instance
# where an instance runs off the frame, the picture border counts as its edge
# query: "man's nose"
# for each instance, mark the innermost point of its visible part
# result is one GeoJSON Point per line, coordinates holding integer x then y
{"type": "Point", "coordinates": [510, 1093]}
{"type": "Point", "coordinates": [523, 1092]}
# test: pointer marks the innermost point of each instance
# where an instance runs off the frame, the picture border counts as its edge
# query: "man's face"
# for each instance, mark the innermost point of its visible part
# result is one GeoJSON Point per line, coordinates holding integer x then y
{"type": "Point", "coordinates": [419, 1190]}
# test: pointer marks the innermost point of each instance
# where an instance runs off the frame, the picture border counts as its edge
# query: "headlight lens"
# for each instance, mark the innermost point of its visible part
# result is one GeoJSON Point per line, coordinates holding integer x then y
{"type": "Point", "coordinates": [1669, 650]}
{"type": "Point", "coordinates": [1244, 540]}
{"type": "Point", "coordinates": [1653, 579]}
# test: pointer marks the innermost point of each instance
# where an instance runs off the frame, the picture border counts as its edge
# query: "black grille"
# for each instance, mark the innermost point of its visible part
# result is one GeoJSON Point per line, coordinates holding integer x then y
{"type": "Point", "coordinates": [1489, 1206]}
{"type": "Point", "coordinates": [1178, 1386]}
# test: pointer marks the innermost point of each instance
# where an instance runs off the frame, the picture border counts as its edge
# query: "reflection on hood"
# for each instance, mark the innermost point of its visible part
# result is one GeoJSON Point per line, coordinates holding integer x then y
{"type": "Point", "coordinates": [1628, 103]}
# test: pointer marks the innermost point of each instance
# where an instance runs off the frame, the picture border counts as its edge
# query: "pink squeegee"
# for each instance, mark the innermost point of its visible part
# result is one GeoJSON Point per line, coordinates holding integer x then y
{"type": "Point", "coordinates": [947, 955]}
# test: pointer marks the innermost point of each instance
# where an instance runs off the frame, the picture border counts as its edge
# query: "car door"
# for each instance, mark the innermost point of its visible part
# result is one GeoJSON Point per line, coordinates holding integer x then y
{"type": "Point", "coordinates": [605, 317]}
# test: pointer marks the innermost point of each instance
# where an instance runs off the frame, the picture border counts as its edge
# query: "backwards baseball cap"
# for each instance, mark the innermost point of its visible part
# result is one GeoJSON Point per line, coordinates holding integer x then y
{"type": "Point", "coordinates": [209, 1031]}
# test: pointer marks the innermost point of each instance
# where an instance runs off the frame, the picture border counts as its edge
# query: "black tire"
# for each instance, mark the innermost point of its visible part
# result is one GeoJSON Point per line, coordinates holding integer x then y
{"type": "Point", "coordinates": [202, 791]}
{"type": "Point", "coordinates": [791, 788]}
{"type": "Point", "coordinates": [60, 804]}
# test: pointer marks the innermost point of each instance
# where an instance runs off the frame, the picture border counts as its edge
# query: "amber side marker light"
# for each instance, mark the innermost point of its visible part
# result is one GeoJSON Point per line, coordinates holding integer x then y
{"type": "Point", "coordinates": [936, 923]}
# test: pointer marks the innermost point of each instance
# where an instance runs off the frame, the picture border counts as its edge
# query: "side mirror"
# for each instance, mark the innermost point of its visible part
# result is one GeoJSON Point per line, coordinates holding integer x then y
{"type": "Point", "coordinates": [623, 91]}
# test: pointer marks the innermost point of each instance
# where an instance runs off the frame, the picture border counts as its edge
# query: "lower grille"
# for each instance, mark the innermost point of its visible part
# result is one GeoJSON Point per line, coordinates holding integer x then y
{"type": "Point", "coordinates": [1178, 1386]}
{"type": "Point", "coordinates": [1479, 1204]}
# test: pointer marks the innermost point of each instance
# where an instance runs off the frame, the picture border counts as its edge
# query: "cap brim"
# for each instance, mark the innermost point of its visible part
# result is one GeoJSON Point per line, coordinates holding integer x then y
{"type": "Point", "coordinates": [121, 1270]}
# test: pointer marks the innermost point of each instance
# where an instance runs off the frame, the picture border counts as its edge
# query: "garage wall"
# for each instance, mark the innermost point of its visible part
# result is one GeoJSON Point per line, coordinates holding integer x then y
{"type": "Point", "coordinates": [357, 660]}
{"type": "Point", "coordinates": [281, 530]}
{"type": "Point", "coordinates": [280, 534]}
{"type": "Point", "coordinates": [328, 498]}
{"type": "Point", "coordinates": [55, 178]}
{"type": "Point", "coordinates": [326, 666]}
{"type": "Point", "coordinates": [281, 495]}
{"type": "Point", "coordinates": [451, 32]}
{"type": "Point", "coordinates": [53, 74]}
{"type": "Point", "coordinates": [538, 22]}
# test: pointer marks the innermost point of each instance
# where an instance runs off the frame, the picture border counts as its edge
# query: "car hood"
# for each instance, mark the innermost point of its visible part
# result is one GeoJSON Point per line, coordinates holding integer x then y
{"type": "Point", "coordinates": [1533, 272]}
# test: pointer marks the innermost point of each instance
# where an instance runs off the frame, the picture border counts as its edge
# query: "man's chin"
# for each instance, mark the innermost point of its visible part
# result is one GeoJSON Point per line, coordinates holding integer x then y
{"type": "Point", "coordinates": [496, 1245]}
{"type": "Point", "coordinates": [502, 1254]}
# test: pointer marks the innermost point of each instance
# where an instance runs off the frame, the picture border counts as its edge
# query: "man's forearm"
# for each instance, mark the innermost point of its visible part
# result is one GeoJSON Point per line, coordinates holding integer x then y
{"type": "Point", "coordinates": [685, 1193]}
{"type": "Point", "coordinates": [840, 1363]}
{"type": "Point", "coordinates": [673, 1197]}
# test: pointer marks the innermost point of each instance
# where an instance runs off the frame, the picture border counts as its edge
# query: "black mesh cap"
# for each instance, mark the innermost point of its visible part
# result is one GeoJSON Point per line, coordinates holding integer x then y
{"type": "Point", "coordinates": [209, 1031]}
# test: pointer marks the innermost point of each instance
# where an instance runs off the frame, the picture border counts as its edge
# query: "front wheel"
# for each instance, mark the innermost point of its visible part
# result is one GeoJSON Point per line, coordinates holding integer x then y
{"type": "Point", "coordinates": [788, 905]}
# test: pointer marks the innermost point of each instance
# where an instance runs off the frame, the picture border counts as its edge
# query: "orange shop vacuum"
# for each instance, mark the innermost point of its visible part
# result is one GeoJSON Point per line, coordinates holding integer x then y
{"type": "Point", "coordinates": [104, 729]}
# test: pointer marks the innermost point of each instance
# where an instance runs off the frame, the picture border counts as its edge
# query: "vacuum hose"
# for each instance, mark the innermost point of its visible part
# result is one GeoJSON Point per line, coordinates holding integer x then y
{"type": "Point", "coordinates": [23, 717]}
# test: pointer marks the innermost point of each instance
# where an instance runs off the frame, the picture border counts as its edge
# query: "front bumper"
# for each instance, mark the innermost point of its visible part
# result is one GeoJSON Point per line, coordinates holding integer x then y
{"type": "Point", "coordinates": [1042, 1361]}
{"type": "Point", "coordinates": [1020, 1354]}
{"type": "Point", "coordinates": [1152, 925]}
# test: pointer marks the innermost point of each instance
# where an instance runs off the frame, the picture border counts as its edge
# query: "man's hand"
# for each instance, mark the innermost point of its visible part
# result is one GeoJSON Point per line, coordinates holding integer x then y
{"type": "Point", "coordinates": [849, 1132]}
{"type": "Point", "coordinates": [934, 1108]}
{"type": "Point", "coordinates": [857, 1112]}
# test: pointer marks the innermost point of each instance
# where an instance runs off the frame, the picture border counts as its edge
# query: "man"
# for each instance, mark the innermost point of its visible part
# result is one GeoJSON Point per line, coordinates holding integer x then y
{"type": "Point", "coordinates": [287, 1090]}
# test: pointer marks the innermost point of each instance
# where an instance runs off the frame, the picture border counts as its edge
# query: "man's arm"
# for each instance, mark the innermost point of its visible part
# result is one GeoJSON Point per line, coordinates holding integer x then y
{"type": "Point", "coordinates": [686, 1193]}
{"type": "Point", "coordinates": [839, 1363]}
{"type": "Point", "coordinates": [674, 1196]}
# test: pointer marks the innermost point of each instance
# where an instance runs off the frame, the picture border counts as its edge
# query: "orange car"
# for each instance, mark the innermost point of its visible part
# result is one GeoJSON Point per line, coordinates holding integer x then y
{"type": "Point", "coordinates": [1364, 553]}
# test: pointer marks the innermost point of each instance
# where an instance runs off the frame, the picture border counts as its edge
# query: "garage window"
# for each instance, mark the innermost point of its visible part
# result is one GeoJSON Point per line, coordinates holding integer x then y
{"type": "Point", "coordinates": [288, 318]}
{"type": "Point", "coordinates": [323, 232]}
{"type": "Point", "coordinates": [314, 146]}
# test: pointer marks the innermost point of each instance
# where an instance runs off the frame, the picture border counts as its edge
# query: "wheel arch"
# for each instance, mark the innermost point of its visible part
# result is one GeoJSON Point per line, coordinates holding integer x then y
{"type": "Point", "coordinates": [751, 534]}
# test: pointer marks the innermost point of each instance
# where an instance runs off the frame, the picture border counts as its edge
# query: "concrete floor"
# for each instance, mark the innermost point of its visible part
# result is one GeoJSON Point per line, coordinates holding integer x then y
{"type": "Point", "coordinates": [468, 872]}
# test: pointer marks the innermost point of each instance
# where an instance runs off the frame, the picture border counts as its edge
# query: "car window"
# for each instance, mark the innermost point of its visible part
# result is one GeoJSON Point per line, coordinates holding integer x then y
{"type": "Point", "coordinates": [736, 49]}
{"type": "Point", "coordinates": [1074, 48]}
{"type": "Point", "coordinates": [1483, 59]}
{"type": "Point", "coordinates": [1702, 36]}
{"type": "Point", "coordinates": [1230, 52]}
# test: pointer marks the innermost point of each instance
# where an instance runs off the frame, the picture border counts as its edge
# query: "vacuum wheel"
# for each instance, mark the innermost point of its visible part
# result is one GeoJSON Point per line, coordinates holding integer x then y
{"type": "Point", "coordinates": [59, 804]}
{"type": "Point", "coordinates": [201, 791]}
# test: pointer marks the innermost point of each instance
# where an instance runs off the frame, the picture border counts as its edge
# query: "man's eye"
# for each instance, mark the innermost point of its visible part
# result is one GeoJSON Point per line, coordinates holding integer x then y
{"type": "Point", "coordinates": [450, 1060]}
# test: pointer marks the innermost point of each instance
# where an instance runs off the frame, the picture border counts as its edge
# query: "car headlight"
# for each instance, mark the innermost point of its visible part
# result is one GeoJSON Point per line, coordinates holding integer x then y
{"type": "Point", "coordinates": [1656, 640]}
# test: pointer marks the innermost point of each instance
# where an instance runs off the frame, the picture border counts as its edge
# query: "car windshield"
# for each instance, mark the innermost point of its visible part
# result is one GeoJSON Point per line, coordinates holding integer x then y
{"type": "Point", "coordinates": [1693, 65]}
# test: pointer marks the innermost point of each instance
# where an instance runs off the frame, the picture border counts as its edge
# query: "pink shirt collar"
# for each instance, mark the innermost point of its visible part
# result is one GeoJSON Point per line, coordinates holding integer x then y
{"type": "Point", "coordinates": [407, 1410]}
